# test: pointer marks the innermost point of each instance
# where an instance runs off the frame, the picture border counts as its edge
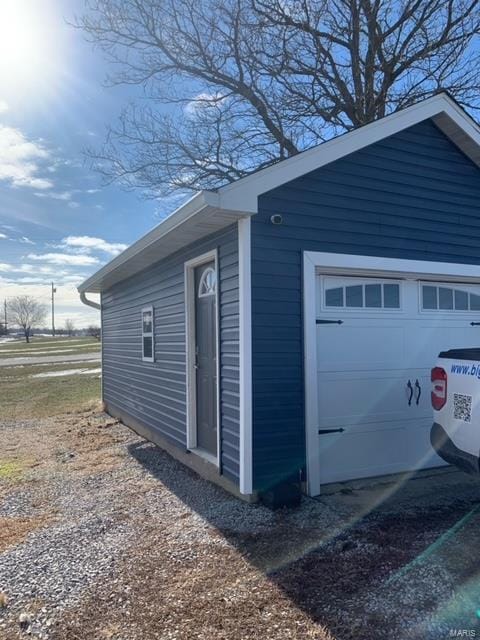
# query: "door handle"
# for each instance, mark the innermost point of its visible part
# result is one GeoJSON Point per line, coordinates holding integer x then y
{"type": "Point", "coordinates": [419, 388]}
{"type": "Point", "coordinates": [195, 364]}
{"type": "Point", "coordinates": [323, 431]}
{"type": "Point", "coordinates": [410, 388]}
{"type": "Point", "coordinates": [321, 321]}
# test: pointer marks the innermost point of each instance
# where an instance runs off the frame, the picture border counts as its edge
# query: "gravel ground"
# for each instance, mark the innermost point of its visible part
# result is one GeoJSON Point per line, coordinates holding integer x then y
{"type": "Point", "coordinates": [102, 535]}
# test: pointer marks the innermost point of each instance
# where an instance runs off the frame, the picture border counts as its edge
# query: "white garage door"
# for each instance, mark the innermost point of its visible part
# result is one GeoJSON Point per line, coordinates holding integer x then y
{"type": "Point", "coordinates": [376, 343]}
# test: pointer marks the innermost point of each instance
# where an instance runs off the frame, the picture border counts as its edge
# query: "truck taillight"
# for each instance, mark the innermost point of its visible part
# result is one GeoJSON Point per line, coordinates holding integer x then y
{"type": "Point", "coordinates": [439, 388]}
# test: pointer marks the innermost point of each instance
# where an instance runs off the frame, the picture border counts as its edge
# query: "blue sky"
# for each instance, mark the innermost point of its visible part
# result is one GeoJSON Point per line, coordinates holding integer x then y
{"type": "Point", "coordinates": [57, 221]}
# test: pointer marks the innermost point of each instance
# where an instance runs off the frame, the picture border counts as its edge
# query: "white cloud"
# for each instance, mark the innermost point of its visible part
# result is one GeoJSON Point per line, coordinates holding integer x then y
{"type": "Point", "coordinates": [27, 280]}
{"type": "Point", "coordinates": [93, 190]}
{"type": "Point", "coordinates": [46, 270]}
{"type": "Point", "coordinates": [64, 258]}
{"type": "Point", "coordinates": [17, 277]}
{"type": "Point", "coordinates": [73, 205]}
{"type": "Point", "coordinates": [19, 159]}
{"type": "Point", "coordinates": [25, 240]}
{"type": "Point", "coordinates": [41, 271]}
{"type": "Point", "coordinates": [3, 236]}
{"type": "Point", "coordinates": [89, 243]}
{"type": "Point", "coordinates": [55, 195]}
{"type": "Point", "coordinates": [3, 106]}
{"type": "Point", "coordinates": [203, 101]}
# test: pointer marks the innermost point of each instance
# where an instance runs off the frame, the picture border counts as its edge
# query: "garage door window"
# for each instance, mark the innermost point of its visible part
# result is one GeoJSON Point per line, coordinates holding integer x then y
{"type": "Point", "coordinates": [437, 298]}
{"type": "Point", "coordinates": [363, 296]}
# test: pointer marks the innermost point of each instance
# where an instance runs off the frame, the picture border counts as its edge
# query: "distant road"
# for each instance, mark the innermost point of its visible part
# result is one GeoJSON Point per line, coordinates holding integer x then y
{"type": "Point", "coordinates": [79, 357]}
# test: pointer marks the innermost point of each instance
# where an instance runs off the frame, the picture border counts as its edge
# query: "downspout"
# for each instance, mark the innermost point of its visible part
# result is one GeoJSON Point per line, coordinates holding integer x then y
{"type": "Point", "coordinates": [89, 303]}
{"type": "Point", "coordinates": [95, 305]}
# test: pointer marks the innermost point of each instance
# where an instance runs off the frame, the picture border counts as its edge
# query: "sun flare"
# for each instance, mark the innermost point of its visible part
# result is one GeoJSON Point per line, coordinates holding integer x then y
{"type": "Point", "coordinates": [25, 54]}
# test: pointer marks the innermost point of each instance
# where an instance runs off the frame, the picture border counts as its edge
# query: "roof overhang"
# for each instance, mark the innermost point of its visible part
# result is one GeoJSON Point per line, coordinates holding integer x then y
{"type": "Point", "coordinates": [210, 211]}
{"type": "Point", "coordinates": [197, 218]}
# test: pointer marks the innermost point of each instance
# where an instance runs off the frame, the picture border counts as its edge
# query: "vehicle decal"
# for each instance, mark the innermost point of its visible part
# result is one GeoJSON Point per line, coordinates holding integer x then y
{"type": "Point", "coordinates": [466, 369]}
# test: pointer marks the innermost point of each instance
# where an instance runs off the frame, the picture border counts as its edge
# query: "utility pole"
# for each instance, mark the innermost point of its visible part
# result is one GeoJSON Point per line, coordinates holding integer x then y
{"type": "Point", "coordinates": [54, 291]}
{"type": "Point", "coordinates": [5, 316]}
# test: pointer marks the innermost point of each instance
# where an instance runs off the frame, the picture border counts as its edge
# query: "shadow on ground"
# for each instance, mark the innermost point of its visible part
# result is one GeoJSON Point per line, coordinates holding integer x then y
{"type": "Point", "coordinates": [390, 558]}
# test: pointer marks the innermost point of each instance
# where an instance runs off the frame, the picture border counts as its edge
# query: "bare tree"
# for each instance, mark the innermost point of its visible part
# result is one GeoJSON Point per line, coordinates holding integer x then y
{"type": "Point", "coordinates": [69, 327]}
{"type": "Point", "coordinates": [26, 312]}
{"type": "Point", "coordinates": [94, 331]}
{"type": "Point", "coordinates": [250, 82]}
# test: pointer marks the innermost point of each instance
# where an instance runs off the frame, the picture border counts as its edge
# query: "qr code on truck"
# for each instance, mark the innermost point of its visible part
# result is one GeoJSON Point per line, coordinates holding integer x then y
{"type": "Point", "coordinates": [462, 407]}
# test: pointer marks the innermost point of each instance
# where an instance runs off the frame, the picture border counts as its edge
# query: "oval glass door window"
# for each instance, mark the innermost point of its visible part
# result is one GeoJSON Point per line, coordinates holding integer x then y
{"type": "Point", "coordinates": [208, 283]}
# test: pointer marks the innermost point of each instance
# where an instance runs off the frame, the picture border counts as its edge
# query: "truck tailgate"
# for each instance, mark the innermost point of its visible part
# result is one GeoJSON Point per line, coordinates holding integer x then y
{"type": "Point", "coordinates": [460, 415]}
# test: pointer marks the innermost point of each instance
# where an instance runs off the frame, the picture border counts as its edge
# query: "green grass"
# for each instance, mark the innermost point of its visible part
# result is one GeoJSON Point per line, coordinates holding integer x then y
{"type": "Point", "coordinates": [10, 469]}
{"type": "Point", "coordinates": [25, 397]}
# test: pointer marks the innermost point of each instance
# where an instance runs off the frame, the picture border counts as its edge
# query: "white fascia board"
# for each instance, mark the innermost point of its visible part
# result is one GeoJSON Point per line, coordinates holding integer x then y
{"type": "Point", "coordinates": [244, 193]}
{"type": "Point", "coordinates": [192, 207]}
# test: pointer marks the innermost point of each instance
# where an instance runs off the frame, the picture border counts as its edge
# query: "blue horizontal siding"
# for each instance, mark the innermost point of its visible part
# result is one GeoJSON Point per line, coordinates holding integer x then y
{"type": "Point", "coordinates": [414, 195]}
{"type": "Point", "coordinates": [155, 393]}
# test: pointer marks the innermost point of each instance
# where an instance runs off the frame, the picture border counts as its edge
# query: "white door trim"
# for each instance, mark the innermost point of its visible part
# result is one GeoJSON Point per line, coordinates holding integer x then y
{"type": "Point", "coordinates": [346, 264]}
{"type": "Point", "coordinates": [245, 293]}
{"type": "Point", "coordinates": [189, 271]}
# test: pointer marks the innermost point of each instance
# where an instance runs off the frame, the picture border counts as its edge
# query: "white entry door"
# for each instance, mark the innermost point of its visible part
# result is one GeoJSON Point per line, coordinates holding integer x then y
{"type": "Point", "coordinates": [377, 340]}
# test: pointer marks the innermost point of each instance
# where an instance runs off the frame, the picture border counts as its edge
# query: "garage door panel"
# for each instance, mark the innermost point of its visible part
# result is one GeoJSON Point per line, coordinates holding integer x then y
{"type": "Point", "coordinates": [349, 345]}
{"type": "Point", "coordinates": [361, 398]}
{"type": "Point", "coordinates": [358, 455]}
{"type": "Point", "coordinates": [364, 366]}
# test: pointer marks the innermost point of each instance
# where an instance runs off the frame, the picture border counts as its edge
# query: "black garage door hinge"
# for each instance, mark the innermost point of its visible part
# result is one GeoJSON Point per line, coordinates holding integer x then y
{"type": "Point", "coordinates": [320, 321]}
{"type": "Point", "coordinates": [322, 431]}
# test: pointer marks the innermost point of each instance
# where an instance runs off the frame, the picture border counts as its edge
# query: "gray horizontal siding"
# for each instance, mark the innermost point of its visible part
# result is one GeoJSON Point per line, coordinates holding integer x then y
{"type": "Point", "coordinates": [414, 196]}
{"type": "Point", "coordinates": [155, 393]}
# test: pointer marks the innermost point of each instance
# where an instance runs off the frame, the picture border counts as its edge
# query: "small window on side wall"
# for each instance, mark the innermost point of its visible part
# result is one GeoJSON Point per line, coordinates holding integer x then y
{"type": "Point", "coordinates": [148, 347]}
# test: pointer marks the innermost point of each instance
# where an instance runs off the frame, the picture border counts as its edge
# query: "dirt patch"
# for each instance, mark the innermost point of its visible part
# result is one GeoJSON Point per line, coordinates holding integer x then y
{"type": "Point", "coordinates": [14, 530]}
{"type": "Point", "coordinates": [83, 440]}
{"type": "Point", "coordinates": [209, 593]}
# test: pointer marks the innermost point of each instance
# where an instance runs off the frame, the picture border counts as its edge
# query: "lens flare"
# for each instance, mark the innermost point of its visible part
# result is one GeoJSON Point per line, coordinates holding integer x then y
{"type": "Point", "coordinates": [26, 54]}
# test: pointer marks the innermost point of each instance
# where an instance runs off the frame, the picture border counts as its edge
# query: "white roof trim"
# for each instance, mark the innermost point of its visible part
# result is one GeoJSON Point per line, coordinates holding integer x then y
{"type": "Point", "coordinates": [240, 198]}
{"type": "Point", "coordinates": [198, 217]}
{"type": "Point", "coordinates": [447, 114]}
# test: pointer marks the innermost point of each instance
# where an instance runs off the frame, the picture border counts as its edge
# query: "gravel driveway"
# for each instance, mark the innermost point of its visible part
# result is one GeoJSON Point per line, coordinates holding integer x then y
{"type": "Point", "coordinates": [102, 535]}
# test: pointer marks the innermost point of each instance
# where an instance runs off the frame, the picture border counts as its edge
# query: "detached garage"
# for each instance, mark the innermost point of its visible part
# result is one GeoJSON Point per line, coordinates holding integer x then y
{"type": "Point", "coordinates": [283, 327]}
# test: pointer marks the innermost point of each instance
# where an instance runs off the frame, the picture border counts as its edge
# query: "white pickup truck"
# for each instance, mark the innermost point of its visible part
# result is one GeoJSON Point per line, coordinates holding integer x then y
{"type": "Point", "coordinates": [455, 433]}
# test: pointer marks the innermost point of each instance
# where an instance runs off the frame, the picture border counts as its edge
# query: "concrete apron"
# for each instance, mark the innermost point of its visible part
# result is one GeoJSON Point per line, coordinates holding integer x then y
{"type": "Point", "coordinates": [420, 489]}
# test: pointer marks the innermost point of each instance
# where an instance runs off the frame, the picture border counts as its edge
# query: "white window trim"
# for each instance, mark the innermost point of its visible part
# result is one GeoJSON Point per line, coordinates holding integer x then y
{"type": "Point", "coordinates": [364, 309]}
{"type": "Point", "coordinates": [191, 388]}
{"type": "Point", "coordinates": [467, 313]}
{"type": "Point", "coordinates": [149, 335]}
{"type": "Point", "coordinates": [346, 264]}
